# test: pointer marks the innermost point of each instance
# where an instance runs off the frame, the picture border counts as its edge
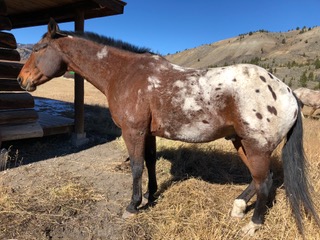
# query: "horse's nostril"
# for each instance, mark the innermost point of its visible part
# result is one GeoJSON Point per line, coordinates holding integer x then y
{"type": "Point", "coordinates": [19, 79]}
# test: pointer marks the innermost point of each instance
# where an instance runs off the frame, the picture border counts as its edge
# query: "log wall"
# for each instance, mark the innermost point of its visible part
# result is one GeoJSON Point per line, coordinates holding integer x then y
{"type": "Point", "coordinates": [18, 119]}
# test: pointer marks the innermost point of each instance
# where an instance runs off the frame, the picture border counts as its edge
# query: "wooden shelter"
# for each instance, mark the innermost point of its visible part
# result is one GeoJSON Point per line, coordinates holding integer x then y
{"type": "Point", "coordinates": [18, 119]}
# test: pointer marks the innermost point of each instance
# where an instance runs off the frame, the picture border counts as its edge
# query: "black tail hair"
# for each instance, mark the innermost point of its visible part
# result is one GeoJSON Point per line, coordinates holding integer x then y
{"type": "Point", "coordinates": [298, 189]}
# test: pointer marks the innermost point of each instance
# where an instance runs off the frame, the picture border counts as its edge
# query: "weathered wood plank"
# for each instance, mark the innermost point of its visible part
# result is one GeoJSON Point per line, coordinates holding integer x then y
{"type": "Point", "coordinates": [7, 40]}
{"type": "Point", "coordinates": [9, 69]}
{"type": "Point", "coordinates": [18, 116]}
{"type": "Point", "coordinates": [52, 125]}
{"type": "Point", "coordinates": [20, 131]}
{"type": "Point", "coordinates": [5, 23]}
{"type": "Point", "coordinates": [16, 101]}
{"type": "Point", "coordinates": [9, 54]}
{"type": "Point", "coordinates": [9, 85]}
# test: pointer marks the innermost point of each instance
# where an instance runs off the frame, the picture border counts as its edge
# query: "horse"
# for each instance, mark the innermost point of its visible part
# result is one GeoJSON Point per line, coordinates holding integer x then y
{"type": "Point", "coordinates": [309, 98]}
{"type": "Point", "coordinates": [149, 96]}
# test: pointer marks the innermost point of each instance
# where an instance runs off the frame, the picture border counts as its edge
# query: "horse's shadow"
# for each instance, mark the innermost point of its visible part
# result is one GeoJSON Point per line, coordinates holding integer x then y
{"type": "Point", "coordinates": [216, 167]}
{"type": "Point", "coordinates": [212, 166]}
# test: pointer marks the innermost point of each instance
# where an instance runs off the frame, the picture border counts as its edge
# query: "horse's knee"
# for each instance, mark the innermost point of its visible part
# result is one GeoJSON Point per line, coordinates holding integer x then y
{"type": "Point", "coordinates": [136, 168]}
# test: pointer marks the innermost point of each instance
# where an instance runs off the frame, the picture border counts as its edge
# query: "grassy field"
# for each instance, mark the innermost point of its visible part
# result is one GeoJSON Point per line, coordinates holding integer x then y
{"type": "Point", "coordinates": [197, 186]}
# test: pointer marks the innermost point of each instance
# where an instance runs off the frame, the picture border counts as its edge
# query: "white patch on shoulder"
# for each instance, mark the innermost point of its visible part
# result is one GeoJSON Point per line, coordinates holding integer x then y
{"type": "Point", "coordinates": [102, 53]}
{"type": "Point", "coordinates": [154, 82]}
{"type": "Point", "coordinates": [69, 36]}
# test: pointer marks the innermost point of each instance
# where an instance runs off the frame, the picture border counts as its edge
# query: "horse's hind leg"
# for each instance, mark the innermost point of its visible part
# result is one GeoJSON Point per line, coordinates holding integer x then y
{"type": "Point", "coordinates": [258, 163]}
{"type": "Point", "coordinates": [263, 186]}
{"type": "Point", "coordinates": [150, 158]}
{"type": "Point", "coordinates": [240, 203]}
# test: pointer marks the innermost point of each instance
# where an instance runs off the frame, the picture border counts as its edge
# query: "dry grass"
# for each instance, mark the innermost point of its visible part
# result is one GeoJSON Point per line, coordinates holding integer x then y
{"type": "Point", "coordinates": [43, 208]}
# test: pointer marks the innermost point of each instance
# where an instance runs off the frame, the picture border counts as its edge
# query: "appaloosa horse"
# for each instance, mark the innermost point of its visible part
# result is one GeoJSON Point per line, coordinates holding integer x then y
{"type": "Point", "coordinates": [149, 96]}
{"type": "Point", "coordinates": [309, 98]}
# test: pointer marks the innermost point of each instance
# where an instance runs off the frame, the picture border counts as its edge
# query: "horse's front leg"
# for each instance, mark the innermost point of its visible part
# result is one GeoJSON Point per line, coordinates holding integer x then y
{"type": "Point", "coordinates": [135, 142]}
{"type": "Point", "coordinates": [150, 158]}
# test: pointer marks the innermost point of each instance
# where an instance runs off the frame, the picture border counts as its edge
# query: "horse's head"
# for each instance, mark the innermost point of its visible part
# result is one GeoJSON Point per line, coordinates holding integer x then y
{"type": "Point", "coordinates": [45, 62]}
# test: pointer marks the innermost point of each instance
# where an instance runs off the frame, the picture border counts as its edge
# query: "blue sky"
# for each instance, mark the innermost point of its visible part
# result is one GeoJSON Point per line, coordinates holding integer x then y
{"type": "Point", "coordinates": [168, 26]}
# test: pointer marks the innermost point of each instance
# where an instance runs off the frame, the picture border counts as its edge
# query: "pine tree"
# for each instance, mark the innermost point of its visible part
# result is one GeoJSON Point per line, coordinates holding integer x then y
{"type": "Point", "coordinates": [303, 79]}
{"type": "Point", "coordinates": [317, 63]}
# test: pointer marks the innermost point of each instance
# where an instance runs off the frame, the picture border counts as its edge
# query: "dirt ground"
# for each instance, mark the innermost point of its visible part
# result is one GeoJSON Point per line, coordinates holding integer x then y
{"type": "Point", "coordinates": [94, 170]}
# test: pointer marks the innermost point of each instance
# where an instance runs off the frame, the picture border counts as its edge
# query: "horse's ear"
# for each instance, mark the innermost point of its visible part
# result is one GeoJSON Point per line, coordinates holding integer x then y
{"type": "Point", "coordinates": [53, 29]}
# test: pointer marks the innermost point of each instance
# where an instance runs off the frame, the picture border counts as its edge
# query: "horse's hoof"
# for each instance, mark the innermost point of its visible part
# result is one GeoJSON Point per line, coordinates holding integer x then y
{"type": "Point", "coordinates": [127, 214]}
{"type": "Point", "coordinates": [239, 207]}
{"type": "Point", "coordinates": [250, 228]}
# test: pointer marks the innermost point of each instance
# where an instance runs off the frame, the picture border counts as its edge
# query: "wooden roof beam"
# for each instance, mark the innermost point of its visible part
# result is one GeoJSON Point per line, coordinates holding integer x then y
{"type": "Point", "coordinates": [66, 13]}
{"type": "Point", "coordinates": [111, 5]}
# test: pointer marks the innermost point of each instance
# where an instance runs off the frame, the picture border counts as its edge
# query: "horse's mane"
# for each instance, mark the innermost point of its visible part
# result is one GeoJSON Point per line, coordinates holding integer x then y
{"type": "Point", "coordinates": [108, 41]}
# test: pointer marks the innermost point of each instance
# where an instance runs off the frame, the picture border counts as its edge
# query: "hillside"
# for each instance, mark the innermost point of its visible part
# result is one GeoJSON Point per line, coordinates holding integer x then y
{"type": "Point", "coordinates": [24, 51]}
{"type": "Point", "coordinates": [292, 56]}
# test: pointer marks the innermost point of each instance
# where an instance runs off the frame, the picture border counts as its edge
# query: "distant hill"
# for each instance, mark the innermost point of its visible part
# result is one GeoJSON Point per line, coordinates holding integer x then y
{"type": "Point", "coordinates": [24, 50]}
{"type": "Point", "coordinates": [292, 56]}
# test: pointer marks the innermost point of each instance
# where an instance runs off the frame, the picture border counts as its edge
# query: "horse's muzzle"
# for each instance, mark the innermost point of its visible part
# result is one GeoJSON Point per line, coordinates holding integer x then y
{"type": "Point", "coordinates": [28, 87]}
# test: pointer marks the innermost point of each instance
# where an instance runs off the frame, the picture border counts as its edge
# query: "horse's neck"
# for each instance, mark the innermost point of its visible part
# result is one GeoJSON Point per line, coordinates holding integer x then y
{"type": "Point", "coordinates": [98, 64]}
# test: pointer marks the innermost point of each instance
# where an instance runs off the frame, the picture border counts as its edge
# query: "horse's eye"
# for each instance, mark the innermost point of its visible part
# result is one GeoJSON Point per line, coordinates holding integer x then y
{"type": "Point", "coordinates": [35, 49]}
{"type": "Point", "coordinates": [38, 47]}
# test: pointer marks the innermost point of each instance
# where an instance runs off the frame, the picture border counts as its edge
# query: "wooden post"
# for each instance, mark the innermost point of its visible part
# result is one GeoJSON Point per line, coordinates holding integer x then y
{"type": "Point", "coordinates": [79, 136]}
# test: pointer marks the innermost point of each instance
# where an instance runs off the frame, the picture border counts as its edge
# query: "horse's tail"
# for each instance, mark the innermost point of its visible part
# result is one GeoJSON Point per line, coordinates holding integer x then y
{"type": "Point", "coordinates": [296, 183]}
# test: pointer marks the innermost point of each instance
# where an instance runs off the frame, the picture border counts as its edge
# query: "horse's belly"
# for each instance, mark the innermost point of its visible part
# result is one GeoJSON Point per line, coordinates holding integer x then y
{"type": "Point", "coordinates": [197, 132]}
